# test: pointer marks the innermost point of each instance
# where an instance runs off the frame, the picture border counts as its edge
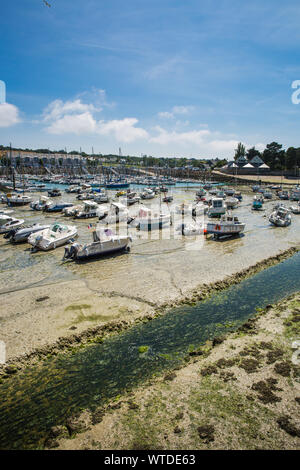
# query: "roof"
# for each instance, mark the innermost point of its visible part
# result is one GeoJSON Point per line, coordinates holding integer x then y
{"type": "Point", "coordinates": [248, 165]}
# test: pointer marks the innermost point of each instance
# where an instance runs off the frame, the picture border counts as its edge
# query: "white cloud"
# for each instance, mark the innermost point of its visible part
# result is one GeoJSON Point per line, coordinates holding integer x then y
{"type": "Point", "coordinates": [57, 109]}
{"type": "Point", "coordinates": [9, 115]}
{"type": "Point", "coordinates": [124, 130]}
{"type": "Point", "coordinates": [165, 137]}
{"type": "Point", "coordinates": [83, 123]}
{"type": "Point", "coordinates": [175, 111]}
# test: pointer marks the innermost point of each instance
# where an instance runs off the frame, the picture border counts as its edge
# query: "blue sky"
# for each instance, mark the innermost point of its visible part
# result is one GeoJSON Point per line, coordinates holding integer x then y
{"type": "Point", "coordinates": [168, 77]}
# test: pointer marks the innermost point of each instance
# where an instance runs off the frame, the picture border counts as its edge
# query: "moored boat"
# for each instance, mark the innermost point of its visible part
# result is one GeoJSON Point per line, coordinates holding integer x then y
{"type": "Point", "coordinates": [52, 237]}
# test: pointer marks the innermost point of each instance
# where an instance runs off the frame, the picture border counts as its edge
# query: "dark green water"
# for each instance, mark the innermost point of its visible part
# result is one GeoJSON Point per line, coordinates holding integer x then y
{"type": "Point", "coordinates": [34, 400]}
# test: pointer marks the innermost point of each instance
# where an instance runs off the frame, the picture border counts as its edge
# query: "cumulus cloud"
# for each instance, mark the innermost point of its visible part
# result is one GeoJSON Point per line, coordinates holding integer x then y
{"type": "Point", "coordinates": [165, 137]}
{"type": "Point", "coordinates": [123, 130]}
{"type": "Point", "coordinates": [9, 115]}
{"type": "Point", "coordinates": [76, 117]}
{"type": "Point", "coordinates": [83, 123]}
{"type": "Point", "coordinates": [57, 109]}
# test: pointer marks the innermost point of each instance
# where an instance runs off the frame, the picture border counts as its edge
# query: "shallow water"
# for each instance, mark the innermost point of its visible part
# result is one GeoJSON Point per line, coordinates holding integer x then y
{"type": "Point", "coordinates": [45, 395]}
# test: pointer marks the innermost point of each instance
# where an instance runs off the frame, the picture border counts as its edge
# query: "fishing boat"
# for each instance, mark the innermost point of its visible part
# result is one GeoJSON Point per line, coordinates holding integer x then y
{"type": "Point", "coordinates": [8, 223]}
{"type": "Point", "coordinates": [90, 209]}
{"type": "Point", "coordinates": [52, 237]}
{"type": "Point", "coordinates": [55, 192]}
{"type": "Point", "coordinates": [257, 203]}
{"type": "Point", "coordinates": [57, 207]}
{"type": "Point", "coordinates": [295, 195]}
{"type": "Point", "coordinates": [268, 194]}
{"type": "Point", "coordinates": [104, 242]}
{"type": "Point", "coordinates": [283, 195]}
{"type": "Point", "coordinates": [168, 198]}
{"type": "Point", "coordinates": [101, 198]}
{"type": "Point", "coordinates": [227, 226]}
{"type": "Point", "coordinates": [281, 217]}
{"type": "Point", "coordinates": [217, 207]}
{"type": "Point", "coordinates": [18, 235]}
{"type": "Point", "coordinates": [255, 188]}
{"type": "Point", "coordinates": [18, 199]}
{"type": "Point", "coordinates": [40, 204]}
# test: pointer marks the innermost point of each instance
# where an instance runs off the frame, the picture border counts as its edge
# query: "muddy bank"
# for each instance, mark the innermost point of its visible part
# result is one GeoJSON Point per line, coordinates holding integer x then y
{"type": "Point", "coordinates": [236, 392]}
{"type": "Point", "coordinates": [74, 339]}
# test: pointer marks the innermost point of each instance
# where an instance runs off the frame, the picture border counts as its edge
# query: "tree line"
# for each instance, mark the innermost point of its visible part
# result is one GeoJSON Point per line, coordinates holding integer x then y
{"type": "Point", "coordinates": [273, 155]}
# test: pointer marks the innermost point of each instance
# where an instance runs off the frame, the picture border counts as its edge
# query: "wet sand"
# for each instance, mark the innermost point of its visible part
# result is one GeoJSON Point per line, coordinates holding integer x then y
{"type": "Point", "coordinates": [44, 299]}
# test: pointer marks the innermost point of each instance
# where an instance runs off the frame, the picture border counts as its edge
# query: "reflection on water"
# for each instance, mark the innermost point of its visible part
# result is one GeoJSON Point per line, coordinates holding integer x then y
{"type": "Point", "coordinates": [46, 394]}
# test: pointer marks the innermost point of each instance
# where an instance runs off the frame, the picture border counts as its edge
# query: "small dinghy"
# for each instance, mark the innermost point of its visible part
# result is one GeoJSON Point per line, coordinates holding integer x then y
{"type": "Point", "coordinates": [104, 242]}
{"type": "Point", "coordinates": [53, 237]}
{"type": "Point", "coordinates": [227, 227]}
{"type": "Point", "coordinates": [281, 217]}
{"type": "Point", "coordinates": [147, 194]}
{"type": "Point", "coordinates": [8, 223]}
{"type": "Point", "coordinates": [19, 235]}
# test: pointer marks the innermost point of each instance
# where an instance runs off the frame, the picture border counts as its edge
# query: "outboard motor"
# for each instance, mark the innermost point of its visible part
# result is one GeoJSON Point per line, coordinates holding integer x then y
{"type": "Point", "coordinates": [10, 234]}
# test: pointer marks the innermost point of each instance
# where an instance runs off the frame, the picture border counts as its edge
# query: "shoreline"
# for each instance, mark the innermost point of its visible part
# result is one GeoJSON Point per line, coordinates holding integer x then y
{"type": "Point", "coordinates": [99, 333]}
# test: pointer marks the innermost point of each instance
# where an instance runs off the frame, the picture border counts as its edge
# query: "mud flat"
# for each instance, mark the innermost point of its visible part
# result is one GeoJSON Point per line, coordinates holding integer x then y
{"type": "Point", "coordinates": [241, 391]}
{"type": "Point", "coordinates": [49, 304]}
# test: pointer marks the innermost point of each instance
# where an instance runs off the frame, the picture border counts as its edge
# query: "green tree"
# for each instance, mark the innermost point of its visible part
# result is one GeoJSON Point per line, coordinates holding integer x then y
{"type": "Point", "coordinates": [274, 156]}
{"type": "Point", "coordinates": [252, 152]}
{"type": "Point", "coordinates": [240, 151]}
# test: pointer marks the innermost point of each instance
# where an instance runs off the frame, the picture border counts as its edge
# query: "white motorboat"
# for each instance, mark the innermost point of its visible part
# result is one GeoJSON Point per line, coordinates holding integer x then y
{"type": "Point", "coordinates": [231, 202]}
{"type": "Point", "coordinates": [53, 237]}
{"type": "Point", "coordinates": [101, 198]}
{"type": "Point", "coordinates": [227, 226]}
{"type": "Point", "coordinates": [117, 212]}
{"type": "Point", "coordinates": [281, 217]}
{"type": "Point", "coordinates": [8, 223]}
{"type": "Point", "coordinates": [5, 212]}
{"type": "Point", "coordinates": [90, 209]}
{"type": "Point", "coordinates": [147, 194]}
{"type": "Point", "coordinates": [40, 204]}
{"type": "Point", "coordinates": [104, 242]}
{"type": "Point", "coordinates": [71, 211]}
{"type": "Point", "coordinates": [150, 220]}
{"type": "Point", "coordinates": [295, 209]}
{"type": "Point", "coordinates": [217, 207]}
{"type": "Point", "coordinates": [18, 199]}
{"type": "Point", "coordinates": [18, 235]}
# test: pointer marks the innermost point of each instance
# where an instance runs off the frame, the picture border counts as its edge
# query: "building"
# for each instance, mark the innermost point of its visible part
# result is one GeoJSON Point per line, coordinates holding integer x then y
{"type": "Point", "coordinates": [50, 160]}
